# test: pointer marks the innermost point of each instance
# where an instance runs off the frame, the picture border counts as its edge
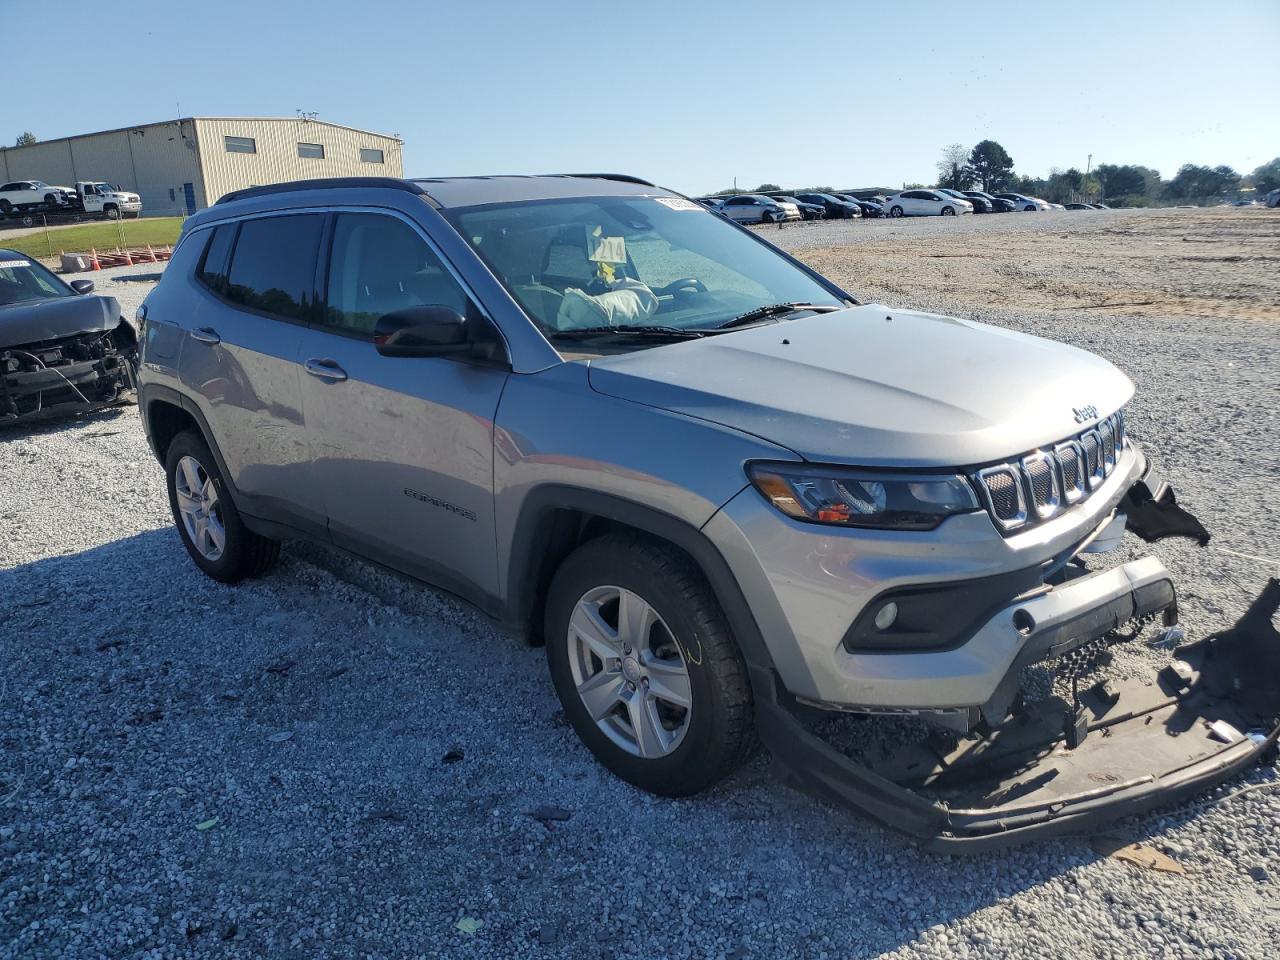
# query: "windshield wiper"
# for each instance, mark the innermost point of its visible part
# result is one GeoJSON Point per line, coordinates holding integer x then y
{"type": "Point", "coordinates": [630, 330]}
{"type": "Point", "coordinates": [773, 310]}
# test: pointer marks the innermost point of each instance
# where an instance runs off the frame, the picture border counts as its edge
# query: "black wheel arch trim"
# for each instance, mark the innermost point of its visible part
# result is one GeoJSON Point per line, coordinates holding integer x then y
{"type": "Point", "coordinates": [527, 549]}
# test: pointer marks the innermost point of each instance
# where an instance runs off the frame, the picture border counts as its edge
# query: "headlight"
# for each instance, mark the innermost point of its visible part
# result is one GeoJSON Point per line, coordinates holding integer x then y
{"type": "Point", "coordinates": [848, 497]}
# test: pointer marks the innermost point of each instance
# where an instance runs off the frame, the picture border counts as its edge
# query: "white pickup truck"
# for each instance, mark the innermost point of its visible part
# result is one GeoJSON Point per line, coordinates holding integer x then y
{"type": "Point", "coordinates": [98, 197]}
{"type": "Point", "coordinates": [88, 196]}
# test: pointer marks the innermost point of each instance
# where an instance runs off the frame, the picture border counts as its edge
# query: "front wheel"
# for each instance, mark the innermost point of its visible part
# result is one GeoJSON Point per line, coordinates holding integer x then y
{"type": "Point", "coordinates": [207, 520]}
{"type": "Point", "coordinates": [948, 211]}
{"type": "Point", "coordinates": [112, 213]}
{"type": "Point", "coordinates": [645, 665]}
{"type": "Point", "coordinates": [895, 211]}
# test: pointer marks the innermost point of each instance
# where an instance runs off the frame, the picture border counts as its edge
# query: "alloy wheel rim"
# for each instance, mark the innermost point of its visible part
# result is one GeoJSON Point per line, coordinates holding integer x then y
{"type": "Point", "coordinates": [629, 672]}
{"type": "Point", "coordinates": [198, 506]}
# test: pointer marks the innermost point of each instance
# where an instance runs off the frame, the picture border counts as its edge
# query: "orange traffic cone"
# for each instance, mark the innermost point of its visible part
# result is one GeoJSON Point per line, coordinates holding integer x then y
{"type": "Point", "coordinates": [128, 260]}
{"type": "Point", "coordinates": [151, 253]}
{"type": "Point", "coordinates": [94, 254]}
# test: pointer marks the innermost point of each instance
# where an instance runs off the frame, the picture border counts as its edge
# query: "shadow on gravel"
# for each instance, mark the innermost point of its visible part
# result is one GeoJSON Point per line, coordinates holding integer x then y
{"type": "Point", "coordinates": [327, 762]}
{"type": "Point", "coordinates": [103, 417]}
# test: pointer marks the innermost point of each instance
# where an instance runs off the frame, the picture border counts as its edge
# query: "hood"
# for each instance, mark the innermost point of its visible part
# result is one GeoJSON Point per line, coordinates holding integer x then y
{"type": "Point", "coordinates": [876, 386]}
{"type": "Point", "coordinates": [39, 320]}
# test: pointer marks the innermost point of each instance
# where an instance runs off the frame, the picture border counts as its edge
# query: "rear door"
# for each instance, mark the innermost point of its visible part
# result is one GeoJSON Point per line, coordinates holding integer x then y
{"type": "Point", "coordinates": [402, 447]}
{"type": "Point", "coordinates": [240, 360]}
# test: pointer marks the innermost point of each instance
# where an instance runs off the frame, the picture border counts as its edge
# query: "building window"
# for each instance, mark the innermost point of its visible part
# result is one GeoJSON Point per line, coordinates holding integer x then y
{"type": "Point", "coordinates": [369, 155]}
{"type": "Point", "coordinates": [240, 144]}
{"type": "Point", "coordinates": [315, 150]}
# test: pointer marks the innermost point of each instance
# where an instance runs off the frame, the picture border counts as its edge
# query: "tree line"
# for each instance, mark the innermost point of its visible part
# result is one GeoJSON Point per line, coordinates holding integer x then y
{"type": "Point", "coordinates": [989, 167]}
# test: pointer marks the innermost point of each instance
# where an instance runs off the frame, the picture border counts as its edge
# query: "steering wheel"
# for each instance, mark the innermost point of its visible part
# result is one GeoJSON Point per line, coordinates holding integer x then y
{"type": "Point", "coordinates": [682, 287]}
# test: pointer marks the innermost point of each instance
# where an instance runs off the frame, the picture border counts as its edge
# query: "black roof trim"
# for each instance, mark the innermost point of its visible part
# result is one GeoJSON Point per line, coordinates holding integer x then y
{"type": "Point", "coordinates": [327, 183]}
{"type": "Point", "coordinates": [620, 177]}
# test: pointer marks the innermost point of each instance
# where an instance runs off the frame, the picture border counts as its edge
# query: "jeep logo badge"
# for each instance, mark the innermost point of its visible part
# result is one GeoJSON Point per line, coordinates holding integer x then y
{"type": "Point", "coordinates": [1085, 413]}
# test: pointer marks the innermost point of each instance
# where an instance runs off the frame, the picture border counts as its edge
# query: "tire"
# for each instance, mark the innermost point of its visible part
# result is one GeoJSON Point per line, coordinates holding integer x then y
{"type": "Point", "coordinates": [895, 211]}
{"type": "Point", "coordinates": [706, 740]}
{"type": "Point", "coordinates": [243, 552]}
{"type": "Point", "coordinates": [948, 211]}
{"type": "Point", "coordinates": [111, 212]}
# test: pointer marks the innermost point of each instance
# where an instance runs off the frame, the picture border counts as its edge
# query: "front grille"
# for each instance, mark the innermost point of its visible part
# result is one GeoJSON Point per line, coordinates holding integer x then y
{"type": "Point", "coordinates": [1042, 484]}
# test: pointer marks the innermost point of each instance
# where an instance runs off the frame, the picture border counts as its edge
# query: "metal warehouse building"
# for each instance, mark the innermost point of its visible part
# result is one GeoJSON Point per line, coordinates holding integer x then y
{"type": "Point", "coordinates": [181, 166]}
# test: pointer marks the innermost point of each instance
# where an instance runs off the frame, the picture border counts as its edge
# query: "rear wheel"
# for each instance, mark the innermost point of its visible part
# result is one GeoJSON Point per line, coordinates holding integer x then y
{"type": "Point", "coordinates": [645, 666]}
{"type": "Point", "coordinates": [207, 520]}
{"type": "Point", "coordinates": [895, 211]}
{"type": "Point", "coordinates": [5, 207]}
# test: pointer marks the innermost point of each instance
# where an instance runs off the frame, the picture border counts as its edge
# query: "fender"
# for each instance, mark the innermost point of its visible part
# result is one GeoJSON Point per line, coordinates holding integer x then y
{"type": "Point", "coordinates": [529, 544]}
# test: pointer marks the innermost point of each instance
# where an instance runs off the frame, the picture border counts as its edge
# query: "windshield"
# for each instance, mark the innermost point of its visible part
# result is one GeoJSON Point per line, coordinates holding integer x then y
{"type": "Point", "coordinates": [24, 280]}
{"type": "Point", "coordinates": [604, 262]}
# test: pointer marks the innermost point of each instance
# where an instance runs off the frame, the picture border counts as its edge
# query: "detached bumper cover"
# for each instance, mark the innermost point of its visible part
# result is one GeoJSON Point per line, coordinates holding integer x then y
{"type": "Point", "coordinates": [1150, 746]}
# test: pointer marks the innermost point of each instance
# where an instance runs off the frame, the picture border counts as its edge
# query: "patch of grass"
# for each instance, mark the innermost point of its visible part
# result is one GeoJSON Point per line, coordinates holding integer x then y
{"type": "Point", "coordinates": [104, 236]}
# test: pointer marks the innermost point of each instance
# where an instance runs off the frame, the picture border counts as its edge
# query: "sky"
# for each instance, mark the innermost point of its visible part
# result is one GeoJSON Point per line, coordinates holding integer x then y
{"type": "Point", "coordinates": [691, 95]}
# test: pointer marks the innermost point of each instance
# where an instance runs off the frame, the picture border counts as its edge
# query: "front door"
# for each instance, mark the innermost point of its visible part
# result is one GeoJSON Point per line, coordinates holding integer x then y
{"type": "Point", "coordinates": [402, 447]}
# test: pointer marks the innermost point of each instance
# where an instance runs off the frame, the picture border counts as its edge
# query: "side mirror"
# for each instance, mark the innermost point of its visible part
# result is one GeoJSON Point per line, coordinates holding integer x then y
{"type": "Point", "coordinates": [82, 286]}
{"type": "Point", "coordinates": [426, 331]}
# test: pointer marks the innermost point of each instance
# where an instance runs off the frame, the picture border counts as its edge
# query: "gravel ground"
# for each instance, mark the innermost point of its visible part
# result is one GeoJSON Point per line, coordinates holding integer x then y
{"type": "Point", "coordinates": [332, 762]}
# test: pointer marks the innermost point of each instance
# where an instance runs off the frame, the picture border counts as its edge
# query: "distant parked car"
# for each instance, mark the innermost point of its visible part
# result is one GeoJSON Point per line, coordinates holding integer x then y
{"type": "Point", "coordinates": [998, 204]}
{"type": "Point", "coordinates": [1081, 206]}
{"type": "Point", "coordinates": [1243, 203]}
{"type": "Point", "coordinates": [979, 204]}
{"type": "Point", "coordinates": [757, 208]}
{"type": "Point", "coordinates": [836, 208]}
{"type": "Point", "coordinates": [712, 203]}
{"type": "Point", "coordinates": [925, 203]}
{"type": "Point", "coordinates": [808, 211]}
{"type": "Point", "coordinates": [1026, 204]}
{"type": "Point", "coordinates": [869, 208]}
{"type": "Point", "coordinates": [1272, 199]}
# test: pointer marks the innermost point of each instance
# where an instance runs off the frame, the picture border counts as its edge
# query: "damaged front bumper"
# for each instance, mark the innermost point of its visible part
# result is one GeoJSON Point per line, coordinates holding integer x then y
{"type": "Point", "coordinates": [74, 375]}
{"type": "Point", "coordinates": [1019, 770]}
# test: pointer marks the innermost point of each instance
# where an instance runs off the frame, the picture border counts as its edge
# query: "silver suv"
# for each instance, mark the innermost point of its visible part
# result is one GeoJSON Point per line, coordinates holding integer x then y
{"type": "Point", "coordinates": [730, 500]}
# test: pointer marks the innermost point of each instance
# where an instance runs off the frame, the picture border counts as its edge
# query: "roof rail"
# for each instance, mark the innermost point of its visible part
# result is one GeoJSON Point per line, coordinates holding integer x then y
{"type": "Point", "coordinates": [326, 183]}
{"type": "Point", "coordinates": [621, 177]}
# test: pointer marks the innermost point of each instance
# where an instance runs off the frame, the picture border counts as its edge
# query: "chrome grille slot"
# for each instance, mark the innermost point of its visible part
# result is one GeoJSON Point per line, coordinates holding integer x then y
{"type": "Point", "coordinates": [1070, 459]}
{"type": "Point", "coordinates": [1042, 484]}
{"type": "Point", "coordinates": [1002, 487]}
{"type": "Point", "coordinates": [1094, 471]}
{"type": "Point", "coordinates": [1108, 434]}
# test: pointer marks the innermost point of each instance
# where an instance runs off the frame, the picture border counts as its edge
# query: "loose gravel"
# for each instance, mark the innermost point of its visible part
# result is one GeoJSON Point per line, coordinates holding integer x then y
{"type": "Point", "coordinates": [332, 762]}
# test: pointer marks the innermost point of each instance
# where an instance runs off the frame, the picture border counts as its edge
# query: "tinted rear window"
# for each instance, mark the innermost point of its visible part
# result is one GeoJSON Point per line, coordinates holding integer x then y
{"type": "Point", "coordinates": [213, 269]}
{"type": "Point", "coordinates": [274, 265]}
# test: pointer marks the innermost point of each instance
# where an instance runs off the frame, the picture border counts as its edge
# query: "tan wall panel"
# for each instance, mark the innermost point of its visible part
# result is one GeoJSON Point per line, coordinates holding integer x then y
{"type": "Point", "coordinates": [277, 160]}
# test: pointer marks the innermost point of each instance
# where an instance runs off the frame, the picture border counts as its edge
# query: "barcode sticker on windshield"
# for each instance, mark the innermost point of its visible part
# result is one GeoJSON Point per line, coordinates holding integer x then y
{"type": "Point", "coordinates": [14, 263]}
{"type": "Point", "coordinates": [679, 203]}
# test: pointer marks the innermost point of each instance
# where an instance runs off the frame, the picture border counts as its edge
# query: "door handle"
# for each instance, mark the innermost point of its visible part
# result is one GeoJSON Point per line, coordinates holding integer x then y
{"type": "Point", "coordinates": [206, 335]}
{"type": "Point", "coordinates": [325, 370]}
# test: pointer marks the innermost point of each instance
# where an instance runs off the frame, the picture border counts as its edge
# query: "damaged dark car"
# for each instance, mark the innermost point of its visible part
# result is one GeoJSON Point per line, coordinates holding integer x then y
{"type": "Point", "coordinates": [63, 349]}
